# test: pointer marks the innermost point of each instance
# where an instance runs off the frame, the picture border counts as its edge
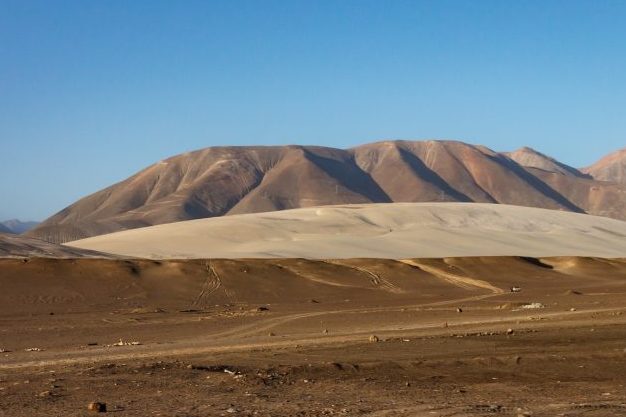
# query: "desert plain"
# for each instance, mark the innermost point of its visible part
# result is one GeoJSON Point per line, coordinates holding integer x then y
{"type": "Point", "coordinates": [506, 331]}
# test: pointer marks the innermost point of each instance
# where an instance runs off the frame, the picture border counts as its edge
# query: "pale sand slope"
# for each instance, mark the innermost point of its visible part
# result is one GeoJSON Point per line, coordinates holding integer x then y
{"type": "Point", "coordinates": [395, 231]}
{"type": "Point", "coordinates": [18, 246]}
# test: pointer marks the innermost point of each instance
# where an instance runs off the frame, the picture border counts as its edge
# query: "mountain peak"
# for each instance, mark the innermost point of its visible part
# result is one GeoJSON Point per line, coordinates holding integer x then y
{"type": "Point", "coordinates": [531, 158]}
{"type": "Point", "coordinates": [610, 168]}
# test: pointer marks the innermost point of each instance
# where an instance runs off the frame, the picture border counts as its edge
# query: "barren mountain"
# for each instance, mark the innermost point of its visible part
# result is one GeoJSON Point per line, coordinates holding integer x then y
{"type": "Point", "coordinates": [220, 181]}
{"type": "Point", "coordinates": [4, 229]}
{"type": "Point", "coordinates": [610, 168]}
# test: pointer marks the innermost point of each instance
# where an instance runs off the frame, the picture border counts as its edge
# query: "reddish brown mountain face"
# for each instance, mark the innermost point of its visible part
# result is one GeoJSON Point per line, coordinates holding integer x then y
{"type": "Point", "coordinates": [231, 180]}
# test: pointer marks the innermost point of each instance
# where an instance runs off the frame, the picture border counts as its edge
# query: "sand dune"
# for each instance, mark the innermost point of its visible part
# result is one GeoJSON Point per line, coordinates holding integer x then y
{"type": "Point", "coordinates": [394, 231]}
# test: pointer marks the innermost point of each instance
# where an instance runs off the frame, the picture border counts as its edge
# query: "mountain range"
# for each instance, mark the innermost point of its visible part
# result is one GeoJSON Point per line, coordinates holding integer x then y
{"type": "Point", "coordinates": [16, 226]}
{"type": "Point", "coordinates": [219, 181]}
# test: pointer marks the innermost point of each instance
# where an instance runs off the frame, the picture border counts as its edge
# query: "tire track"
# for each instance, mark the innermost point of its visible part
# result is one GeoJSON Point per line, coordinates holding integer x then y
{"type": "Point", "coordinates": [454, 279]}
{"type": "Point", "coordinates": [212, 283]}
{"type": "Point", "coordinates": [376, 280]}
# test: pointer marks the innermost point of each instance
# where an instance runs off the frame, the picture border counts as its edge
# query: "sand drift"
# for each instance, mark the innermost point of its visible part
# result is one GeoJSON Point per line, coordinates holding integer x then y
{"type": "Point", "coordinates": [392, 231]}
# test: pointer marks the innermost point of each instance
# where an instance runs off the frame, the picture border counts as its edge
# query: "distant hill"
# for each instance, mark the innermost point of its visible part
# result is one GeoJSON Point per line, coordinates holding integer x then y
{"type": "Point", "coordinates": [16, 226]}
{"type": "Point", "coordinates": [221, 181]}
{"type": "Point", "coordinates": [610, 168]}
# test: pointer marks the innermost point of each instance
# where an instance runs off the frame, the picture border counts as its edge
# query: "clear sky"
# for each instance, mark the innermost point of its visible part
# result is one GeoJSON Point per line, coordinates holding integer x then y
{"type": "Point", "coordinates": [93, 91]}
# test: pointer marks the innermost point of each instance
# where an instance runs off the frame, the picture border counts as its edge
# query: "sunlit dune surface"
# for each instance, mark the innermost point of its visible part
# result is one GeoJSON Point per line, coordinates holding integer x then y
{"type": "Point", "coordinates": [393, 231]}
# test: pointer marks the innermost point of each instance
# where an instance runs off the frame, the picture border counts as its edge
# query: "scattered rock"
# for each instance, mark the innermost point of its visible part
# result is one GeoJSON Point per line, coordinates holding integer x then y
{"type": "Point", "coordinates": [123, 343]}
{"type": "Point", "coordinates": [262, 308]}
{"type": "Point", "coordinates": [45, 394]}
{"type": "Point", "coordinates": [374, 338]}
{"type": "Point", "coordinates": [572, 309]}
{"type": "Point", "coordinates": [325, 331]}
{"type": "Point", "coordinates": [146, 310]}
{"type": "Point", "coordinates": [92, 344]}
{"type": "Point", "coordinates": [271, 334]}
{"type": "Point", "coordinates": [532, 306]}
{"type": "Point", "coordinates": [489, 408]}
{"type": "Point", "coordinates": [504, 306]}
{"type": "Point", "coordinates": [4, 350]}
{"type": "Point", "coordinates": [97, 407]}
{"type": "Point", "coordinates": [231, 410]}
{"type": "Point", "coordinates": [515, 288]}
{"type": "Point", "coordinates": [313, 301]}
{"type": "Point", "coordinates": [573, 292]}
{"type": "Point", "coordinates": [33, 349]}
{"type": "Point", "coordinates": [509, 331]}
{"type": "Point", "coordinates": [459, 310]}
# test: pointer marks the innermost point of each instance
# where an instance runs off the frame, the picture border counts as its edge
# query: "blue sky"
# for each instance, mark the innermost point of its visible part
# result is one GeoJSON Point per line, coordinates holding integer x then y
{"type": "Point", "coordinates": [93, 91]}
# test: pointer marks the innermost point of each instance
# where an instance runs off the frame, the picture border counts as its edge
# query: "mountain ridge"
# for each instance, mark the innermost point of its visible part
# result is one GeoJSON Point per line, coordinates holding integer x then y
{"type": "Point", "coordinates": [17, 226]}
{"type": "Point", "coordinates": [226, 180]}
